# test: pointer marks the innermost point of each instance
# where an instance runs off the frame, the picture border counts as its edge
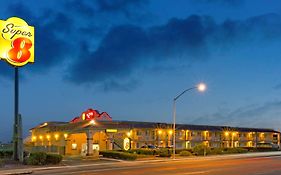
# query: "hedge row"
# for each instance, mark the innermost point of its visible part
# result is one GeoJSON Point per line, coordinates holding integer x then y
{"type": "Point", "coordinates": [1, 163]}
{"type": "Point", "coordinates": [118, 155]}
{"type": "Point", "coordinates": [144, 151]}
{"type": "Point", "coordinates": [216, 151]}
{"type": "Point", "coordinates": [163, 152]}
{"type": "Point", "coordinates": [42, 158]}
{"type": "Point", "coordinates": [197, 150]}
{"type": "Point", "coordinates": [6, 154]}
{"type": "Point", "coordinates": [260, 149]}
{"type": "Point", "coordinates": [203, 150]}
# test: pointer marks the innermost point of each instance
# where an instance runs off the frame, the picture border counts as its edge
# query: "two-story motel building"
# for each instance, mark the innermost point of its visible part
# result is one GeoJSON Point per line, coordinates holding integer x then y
{"type": "Point", "coordinates": [98, 131]}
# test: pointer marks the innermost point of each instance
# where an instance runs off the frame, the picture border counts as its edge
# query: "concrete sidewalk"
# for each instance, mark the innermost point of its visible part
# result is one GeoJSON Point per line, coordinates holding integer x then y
{"type": "Point", "coordinates": [29, 170]}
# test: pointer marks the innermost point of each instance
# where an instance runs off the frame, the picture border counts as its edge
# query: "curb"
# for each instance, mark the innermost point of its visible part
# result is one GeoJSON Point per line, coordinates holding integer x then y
{"type": "Point", "coordinates": [16, 173]}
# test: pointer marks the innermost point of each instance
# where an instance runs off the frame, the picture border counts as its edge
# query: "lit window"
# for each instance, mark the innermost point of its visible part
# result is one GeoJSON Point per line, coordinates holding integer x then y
{"type": "Point", "coordinates": [74, 146]}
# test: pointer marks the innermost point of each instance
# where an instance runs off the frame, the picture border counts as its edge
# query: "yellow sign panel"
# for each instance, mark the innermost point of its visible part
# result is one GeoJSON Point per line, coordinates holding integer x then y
{"type": "Point", "coordinates": [126, 144]}
{"type": "Point", "coordinates": [111, 130]}
{"type": "Point", "coordinates": [16, 41]}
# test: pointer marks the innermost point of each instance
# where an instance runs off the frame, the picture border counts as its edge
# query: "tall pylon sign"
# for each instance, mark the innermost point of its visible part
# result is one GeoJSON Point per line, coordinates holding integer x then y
{"type": "Point", "coordinates": [17, 49]}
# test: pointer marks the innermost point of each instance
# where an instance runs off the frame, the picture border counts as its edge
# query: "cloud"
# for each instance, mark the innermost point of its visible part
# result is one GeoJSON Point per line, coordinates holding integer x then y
{"type": "Point", "coordinates": [128, 48]}
{"type": "Point", "coordinates": [118, 5]}
{"type": "Point", "coordinates": [50, 29]}
{"type": "Point", "coordinates": [95, 7]}
{"type": "Point", "coordinates": [81, 8]}
{"type": "Point", "coordinates": [232, 3]}
{"type": "Point", "coordinates": [266, 115]}
{"type": "Point", "coordinates": [59, 30]}
{"type": "Point", "coordinates": [101, 44]}
{"type": "Point", "coordinates": [95, 66]}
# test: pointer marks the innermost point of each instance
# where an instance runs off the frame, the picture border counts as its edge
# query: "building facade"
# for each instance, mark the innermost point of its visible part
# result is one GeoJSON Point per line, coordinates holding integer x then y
{"type": "Point", "coordinates": [101, 133]}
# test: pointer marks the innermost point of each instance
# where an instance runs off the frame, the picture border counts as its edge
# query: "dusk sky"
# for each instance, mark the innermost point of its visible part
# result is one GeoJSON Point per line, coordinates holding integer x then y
{"type": "Point", "coordinates": [130, 58]}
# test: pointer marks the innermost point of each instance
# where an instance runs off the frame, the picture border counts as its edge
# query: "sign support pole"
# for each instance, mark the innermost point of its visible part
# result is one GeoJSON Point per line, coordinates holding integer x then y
{"type": "Point", "coordinates": [15, 137]}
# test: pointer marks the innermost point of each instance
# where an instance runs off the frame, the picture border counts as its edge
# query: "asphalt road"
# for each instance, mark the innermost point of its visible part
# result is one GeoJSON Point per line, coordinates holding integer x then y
{"type": "Point", "coordinates": [230, 166]}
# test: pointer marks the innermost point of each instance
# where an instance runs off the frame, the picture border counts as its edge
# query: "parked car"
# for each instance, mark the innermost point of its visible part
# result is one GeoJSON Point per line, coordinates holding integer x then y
{"type": "Point", "coordinates": [149, 147]}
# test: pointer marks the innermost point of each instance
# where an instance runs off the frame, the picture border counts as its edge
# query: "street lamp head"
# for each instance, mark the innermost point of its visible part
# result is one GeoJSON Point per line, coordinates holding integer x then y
{"type": "Point", "coordinates": [92, 122]}
{"type": "Point", "coordinates": [201, 87]}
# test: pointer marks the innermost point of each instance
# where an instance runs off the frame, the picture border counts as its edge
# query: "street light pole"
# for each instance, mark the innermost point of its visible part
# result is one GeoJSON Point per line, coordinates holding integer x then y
{"type": "Point", "coordinates": [174, 129]}
{"type": "Point", "coordinates": [201, 87]}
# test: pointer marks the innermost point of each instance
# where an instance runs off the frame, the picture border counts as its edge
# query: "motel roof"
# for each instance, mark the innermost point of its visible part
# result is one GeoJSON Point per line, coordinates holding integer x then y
{"type": "Point", "coordinates": [136, 124]}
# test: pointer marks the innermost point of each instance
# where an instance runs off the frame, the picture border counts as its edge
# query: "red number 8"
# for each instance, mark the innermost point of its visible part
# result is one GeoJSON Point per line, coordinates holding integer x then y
{"type": "Point", "coordinates": [20, 51]}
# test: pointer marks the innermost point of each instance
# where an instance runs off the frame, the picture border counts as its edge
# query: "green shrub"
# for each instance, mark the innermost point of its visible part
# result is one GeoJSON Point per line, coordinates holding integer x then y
{"type": "Point", "coordinates": [42, 158]}
{"type": "Point", "coordinates": [178, 151]}
{"type": "Point", "coordinates": [144, 151]}
{"type": "Point", "coordinates": [6, 154]}
{"type": "Point", "coordinates": [186, 153]}
{"type": "Point", "coordinates": [37, 158]}
{"type": "Point", "coordinates": [118, 155]}
{"type": "Point", "coordinates": [165, 153]}
{"type": "Point", "coordinates": [264, 149]}
{"type": "Point", "coordinates": [1, 163]}
{"type": "Point", "coordinates": [236, 150]}
{"type": "Point", "coordinates": [242, 150]}
{"type": "Point", "coordinates": [201, 149]}
{"type": "Point", "coordinates": [216, 151]}
{"type": "Point", "coordinates": [53, 158]}
{"type": "Point", "coordinates": [260, 149]}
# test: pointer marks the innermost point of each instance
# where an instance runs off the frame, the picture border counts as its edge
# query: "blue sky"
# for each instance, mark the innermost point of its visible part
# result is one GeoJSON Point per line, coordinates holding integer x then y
{"type": "Point", "coordinates": [130, 58]}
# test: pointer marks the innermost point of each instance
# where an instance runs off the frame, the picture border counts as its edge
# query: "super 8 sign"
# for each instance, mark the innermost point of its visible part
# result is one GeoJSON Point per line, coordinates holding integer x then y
{"type": "Point", "coordinates": [16, 42]}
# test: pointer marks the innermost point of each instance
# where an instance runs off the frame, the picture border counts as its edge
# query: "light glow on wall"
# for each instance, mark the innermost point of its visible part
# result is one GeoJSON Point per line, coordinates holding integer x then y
{"type": "Point", "coordinates": [56, 136]}
{"type": "Point", "coordinates": [33, 138]}
{"type": "Point", "coordinates": [226, 133]}
{"type": "Point", "coordinates": [65, 135]}
{"type": "Point", "coordinates": [170, 132]}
